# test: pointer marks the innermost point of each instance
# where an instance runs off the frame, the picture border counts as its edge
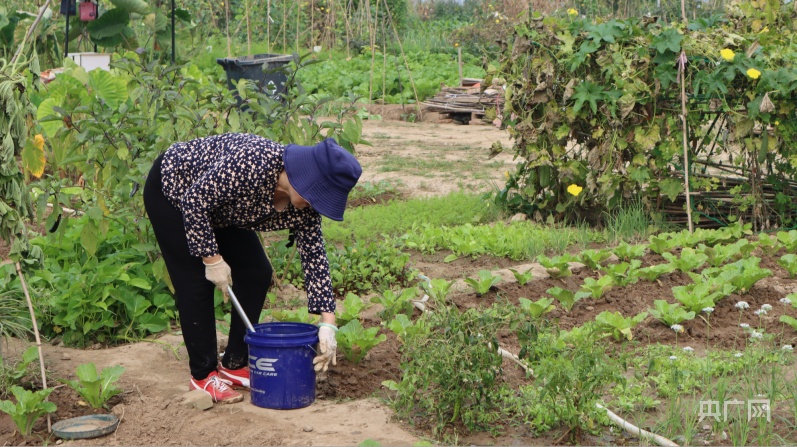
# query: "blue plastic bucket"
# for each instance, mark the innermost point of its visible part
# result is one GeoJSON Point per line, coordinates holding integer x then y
{"type": "Point", "coordinates": [281, 374]}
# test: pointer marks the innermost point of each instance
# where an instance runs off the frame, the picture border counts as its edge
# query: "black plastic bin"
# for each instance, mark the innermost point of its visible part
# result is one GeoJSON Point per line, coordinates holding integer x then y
{"type": "Point", "coordinates": [264, 69]}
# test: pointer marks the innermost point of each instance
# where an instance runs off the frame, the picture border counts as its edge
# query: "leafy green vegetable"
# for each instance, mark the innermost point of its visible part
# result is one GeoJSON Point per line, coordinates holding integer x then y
{"type": "Point", "coordinates": [627, 252]}
{"type": "Point", "coordinates": [618, 326]}
{"type": "Point", "coordinates": [95, 388]}
{"type": "Point", "coordinates": [30, 406]}
{"type": "Point", "coordinates": [789, 262]}
{"type": "Point", "coordinates": [688, 261]}
{"type": "Point", "coordinates": [624, 273]}
{"type": "Point", "coordinates": [594, 258]}
{"type": "Point", "coordinates": [395, 304]}
{"type": "Point", "coordinates": [402, 326]}
{"type": "Point", "coordinates": [597, 287]}
{"type": "Point", "coordinates": [653, 272]}
{"type": "Point", "coordinates": [522, 278]}
{"type": "Point", "coordinates": [537, 308]}
{"type": "Point", "coordinates": [355, 341]}
{"type": "Point", "coordinates": [557, 267]}
{"type": "Point", "coordinates": [484, 283]}
{"type": "Point", "coordinates": [670, 314]}
{"type": "Point", "coordinates": [565, 297]}
{"type": "Point", "coordinates": [352, 306]}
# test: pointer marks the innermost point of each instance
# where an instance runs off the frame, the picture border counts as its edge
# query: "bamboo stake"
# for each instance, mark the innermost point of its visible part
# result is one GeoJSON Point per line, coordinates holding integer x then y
{"type": "Point", "coordinates": [36, 334]}
{"type": "Point", "coordinates": [298, 16]}
{"type": "Point", "coordinates": [249, 31]}
{"type": "Point", "coordinates": [372, 37]}
{"type": "Point", "coordinates": [25, 40]}
{"type": "Point", "coordinates": [284, 28]}
{"type": "Point", "coordinates": [268, 26]}
{"type": "Point", "coordinates": [227, 26]}
{"type": "Point", "coordinates": [404, 56]}
{"type": "Point", "coordinates": [682, 75]}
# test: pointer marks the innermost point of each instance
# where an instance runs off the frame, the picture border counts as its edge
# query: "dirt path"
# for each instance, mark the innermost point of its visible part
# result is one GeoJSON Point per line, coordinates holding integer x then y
{"type": "Point", "coordinates": [421, 159]}
{"type": "Point", "coordinates": [427, 158]}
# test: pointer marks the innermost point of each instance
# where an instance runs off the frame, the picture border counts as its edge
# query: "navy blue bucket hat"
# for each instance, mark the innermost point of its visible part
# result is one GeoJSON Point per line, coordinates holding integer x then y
{"type": "Point", "coordinates": [323, 174]}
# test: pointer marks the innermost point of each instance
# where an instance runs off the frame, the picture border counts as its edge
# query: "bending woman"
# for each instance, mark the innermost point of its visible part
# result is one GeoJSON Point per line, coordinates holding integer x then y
{"type": "Point", "coordinates": [207, 199]}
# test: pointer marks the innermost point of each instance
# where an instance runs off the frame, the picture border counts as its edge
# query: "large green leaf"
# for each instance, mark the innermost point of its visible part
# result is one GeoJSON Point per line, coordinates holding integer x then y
{"type": "Point", "coordinates": [111, 89]}
{"type": "Point", "coordinates": [136, 6]}
{"type": "Point", "coordinates": [109, 24]}
{"type": "Point", "coordinates": [46, 110]}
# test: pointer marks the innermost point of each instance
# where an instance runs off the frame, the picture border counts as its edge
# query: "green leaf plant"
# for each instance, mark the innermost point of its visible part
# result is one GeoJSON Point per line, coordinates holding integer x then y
{"type": "Point", "coordinates": [565, 297]}
{"type": "Point", "coordinates": [522, 278]}
{"type": "Point", "coordinates": [95, 388]}
{"type": "Point", "coordinates": [30, 406]}
{"type": "Point", "coordinates": [670, 314]}
{"type": "Point", "coordinates": [355, 341]}
{"type": "Point", "coordinates": [594, 258]}
{"type": "Point", "coordinates": [789, 262]}
{"type": "Point", "coordinates": [537, 308]}
{"type": "Point", "coordinates": [558, 266]}
{"type": "Point", "coordinates": [597, 287]}
{"type": "Point", "coordinates": [618, 326]}
{"type": "Point", "coordinates": [484, 283]}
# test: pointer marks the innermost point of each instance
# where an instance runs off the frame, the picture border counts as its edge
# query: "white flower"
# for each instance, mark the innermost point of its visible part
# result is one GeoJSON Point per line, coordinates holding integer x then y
{"type": "Point", "coordinates": [785, 301]}
{"type": "Point", "coordinates": [708, 310]}
{"type": "Point", "coordinates": [737, 355]}
{"type": "Point", "coordinates": [787, 348]}
{"type": "Point", "coordinates": [672, 357]}
{"type": "Point", "coordinates": [742, 305]}
{"type": "Point", "coordinates": [677, 328]}
{"type": "Point", "coordinates": [756, 335]}
{"type": "Point", "coordinates": [744, 325]}
{"type": "Point", "coordinates": [760, 312]}
{"type": "Point", "coordinates": [766, 307]}
{"type": "Point", "coordinates": [688, 349]}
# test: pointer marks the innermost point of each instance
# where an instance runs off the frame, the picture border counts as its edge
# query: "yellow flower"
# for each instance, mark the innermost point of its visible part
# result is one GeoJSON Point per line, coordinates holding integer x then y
{"type": "Point", "coordinates": [506, 174]}
{"type": "Point", "coordinates": [497, 21]}
{"type": "Point", "coordinates": [753, 73]}
{"type": "Point", "coordinates": [38, 140]}
{"type": "Point", "coordinates": [777, 123]}
{"type": "Point", "coordinates": [572, 12]}
{"type": "Point", "coordinates": [456, 44]}
{"type": "Point", "coordinates": [727, 54]}
{"type": "Point", "coordinates": [574, 190]}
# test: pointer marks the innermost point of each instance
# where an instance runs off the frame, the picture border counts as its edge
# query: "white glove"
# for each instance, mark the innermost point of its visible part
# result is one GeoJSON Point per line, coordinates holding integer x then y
{"type": "Point", "coordinates": [219, 274]}
{"type": "Point", "coordinates": [327, 345]}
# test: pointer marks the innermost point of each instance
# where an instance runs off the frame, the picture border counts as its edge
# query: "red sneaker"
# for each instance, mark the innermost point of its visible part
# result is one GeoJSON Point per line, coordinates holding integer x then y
{"type": "Point", "coordinates": [218, 388]}
{"type": "Point", "coordinates": [239, 377]}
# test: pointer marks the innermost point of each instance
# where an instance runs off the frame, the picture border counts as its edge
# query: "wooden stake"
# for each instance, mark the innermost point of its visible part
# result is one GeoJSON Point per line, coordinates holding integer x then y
{"type": "Point", "coordinates": [404, 56]}
{"type": "Point", "coordinates": [268, 26]}
{"type": "Point", "coordinates": [249, 31]}
{"type": "Point", "coordinates": [227, 26]}
{"type": "Point", "coordinates": [459, 64]}
{"type": "Point", "coordinates": [684, 127]}
{"type": "Point", "coordinates": [36, 334]}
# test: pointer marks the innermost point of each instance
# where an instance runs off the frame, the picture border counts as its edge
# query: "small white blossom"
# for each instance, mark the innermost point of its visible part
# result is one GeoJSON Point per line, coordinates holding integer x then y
{"type": "Point", "coordinates": [708, 310]}
{"type": "Point", "coordinates": [760, 312]}
{"type": "Point", "coordinates": [737, 355]}
{"type": "Point", "coordinates": [677, 328]}
{"type": "Point", "coordinates": [785, 301]}
{"type": "Point", "coordinates": [756, 335]}
{"type": "Point", "coordinates": [787, 348]}
{"type": "Point", "coordinates": [742, 305]}
{"type": "Point", "coordinates": [744, 325]}
{"type": "Point", "coordinates": [688, 349]}
{"type": "Point", "coordinates": [672, 357]}
{"type": "Point", "coordinates": [766, 307]}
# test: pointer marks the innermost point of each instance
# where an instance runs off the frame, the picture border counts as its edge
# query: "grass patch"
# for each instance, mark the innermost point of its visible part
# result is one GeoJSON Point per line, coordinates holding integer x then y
{"type": "Point", "coordinates": [516, 240]}
{"type": "Point", "coordinates": [373, 223]}
{"type": "Point", "coordinates": [629, 222]}
{"type": "Point", "coordinates": [424, 165]}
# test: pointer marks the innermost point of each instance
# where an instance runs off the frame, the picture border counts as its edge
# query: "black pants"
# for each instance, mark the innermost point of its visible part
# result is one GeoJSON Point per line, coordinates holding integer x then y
{"type": "Point", "coordinates": [251, 277]}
